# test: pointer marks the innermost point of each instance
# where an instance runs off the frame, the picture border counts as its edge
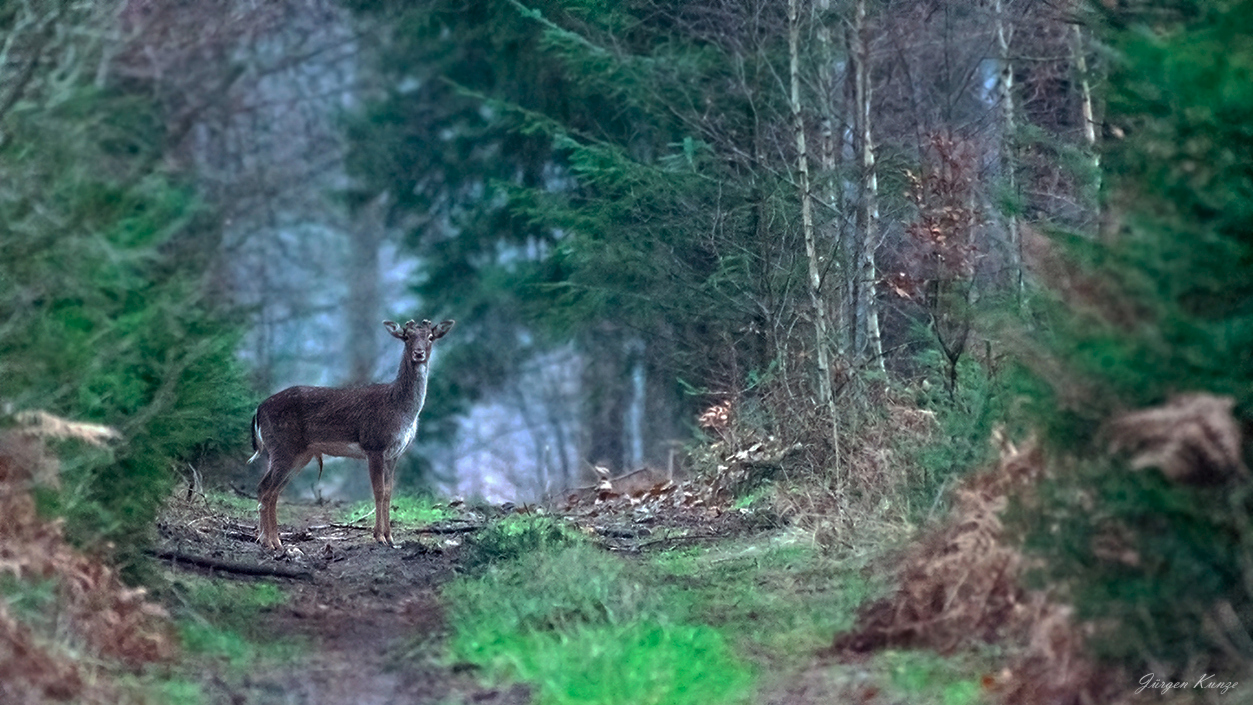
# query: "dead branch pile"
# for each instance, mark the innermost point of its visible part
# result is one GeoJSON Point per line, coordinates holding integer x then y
{"type": "Point", "coordinates": [97, 616]}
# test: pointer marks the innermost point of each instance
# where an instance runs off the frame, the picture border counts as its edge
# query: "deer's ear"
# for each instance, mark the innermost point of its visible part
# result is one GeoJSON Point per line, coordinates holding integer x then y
{"type": "Point", "coordinates": [442, 329]}
{"type": "Point", "coordinates": [394, 328]}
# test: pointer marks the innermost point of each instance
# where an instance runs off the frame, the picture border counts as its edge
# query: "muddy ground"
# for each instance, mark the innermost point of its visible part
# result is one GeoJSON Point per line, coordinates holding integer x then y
{"type": "Point", "coordinates": [368, 616]}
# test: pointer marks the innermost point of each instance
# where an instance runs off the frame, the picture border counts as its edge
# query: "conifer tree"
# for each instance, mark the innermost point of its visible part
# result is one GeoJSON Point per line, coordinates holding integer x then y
{"type": "Point", "coordinates": [1163, 307]}
{"type": "Point", "coordinates": [102, 309]}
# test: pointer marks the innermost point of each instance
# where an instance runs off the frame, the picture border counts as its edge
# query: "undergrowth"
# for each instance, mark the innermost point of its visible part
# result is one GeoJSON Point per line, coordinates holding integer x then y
{"type": "Point", "coordinates": [778, 599]}
{"type": "Point", "coordinates": [965, 417]}
{"type": "Point", "coordinates": [925, 678]}
{"type": "Point", "coordinates": [517, 536]}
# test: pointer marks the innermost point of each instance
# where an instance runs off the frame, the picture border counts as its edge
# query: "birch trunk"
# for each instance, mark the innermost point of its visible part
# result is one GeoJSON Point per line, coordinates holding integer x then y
{"type": "Point", "coordinates": [1009, 161]}
{"type": "Point", "coordinates": [822, 333]}
{"type": "Point", "coordinates": [831, 211]}
{"type": "Point", "coordinates": [832, 140]}
{"type": "Point", "coordinates": [1085, 96]}
{"type": "Point", "coordinates": [868, 210]}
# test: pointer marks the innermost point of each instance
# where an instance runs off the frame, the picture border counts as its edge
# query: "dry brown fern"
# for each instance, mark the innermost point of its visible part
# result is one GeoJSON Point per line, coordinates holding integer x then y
{"type": "Point", "coordinates": [1193, 439]}
{"type": "Point", "coordinates": [105, 617]}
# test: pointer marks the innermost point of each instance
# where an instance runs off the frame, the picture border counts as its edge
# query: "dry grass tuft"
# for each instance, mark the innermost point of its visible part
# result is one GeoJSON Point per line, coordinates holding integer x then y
{"type": "Point", "coordinates": [103, 618]}
{"type": "Point", "coordinates": [855, 498]}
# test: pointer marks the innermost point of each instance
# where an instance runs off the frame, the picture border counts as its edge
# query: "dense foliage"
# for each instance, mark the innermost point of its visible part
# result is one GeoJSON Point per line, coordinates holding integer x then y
{"type": "Point", "coordinates": [617, 177]}
{"type": "Point", "coordinates": [102, 311]}
{"type": "Point", "coordinates": [1164, 567]}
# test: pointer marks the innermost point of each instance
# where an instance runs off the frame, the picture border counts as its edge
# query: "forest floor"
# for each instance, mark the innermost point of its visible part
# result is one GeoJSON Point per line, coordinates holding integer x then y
{"type": "Point", "coordinates": [346, 620]}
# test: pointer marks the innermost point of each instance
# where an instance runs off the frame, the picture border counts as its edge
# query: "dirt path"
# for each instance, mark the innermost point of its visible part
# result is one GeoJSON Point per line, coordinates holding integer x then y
{"type": "Point", "coordinates": [369, 620]}
{"type": "Point", "coordinates": [368, 615]}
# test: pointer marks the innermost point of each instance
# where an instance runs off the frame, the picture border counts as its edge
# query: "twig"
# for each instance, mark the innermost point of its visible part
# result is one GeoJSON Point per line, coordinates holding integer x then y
{"type": "Point", "coordinates": [677, 539]}
{"type": "Point", "coordinates": [428, 530]}
{"type": "Point", "coordinates": [451, 529]}
{"type": "Point", "coordinates": [319, 527]}
{"type": "Point", "coordinates": [249, 536]}
{"type": "Point", "coordinates": [176, 557]}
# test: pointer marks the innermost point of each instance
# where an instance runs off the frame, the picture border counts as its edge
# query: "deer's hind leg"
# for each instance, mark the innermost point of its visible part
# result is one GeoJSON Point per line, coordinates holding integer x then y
{"type": "Point", "coordinates": [283, 463]}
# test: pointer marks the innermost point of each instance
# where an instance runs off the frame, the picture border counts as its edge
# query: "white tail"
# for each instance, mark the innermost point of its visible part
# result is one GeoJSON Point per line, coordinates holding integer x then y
{"type": "Point", "coordinates": [376, 423]}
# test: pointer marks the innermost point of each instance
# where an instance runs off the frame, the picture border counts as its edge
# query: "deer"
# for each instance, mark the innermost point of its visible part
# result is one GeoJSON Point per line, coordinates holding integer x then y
{"type": "Point", "coordinates": [376, 423]}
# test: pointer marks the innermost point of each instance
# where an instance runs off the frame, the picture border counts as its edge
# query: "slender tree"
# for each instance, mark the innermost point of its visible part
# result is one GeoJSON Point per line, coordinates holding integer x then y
{"type": "Point", "coordinates": [867, 336]}
{"type": "Point", "coordinates": [822, 330]}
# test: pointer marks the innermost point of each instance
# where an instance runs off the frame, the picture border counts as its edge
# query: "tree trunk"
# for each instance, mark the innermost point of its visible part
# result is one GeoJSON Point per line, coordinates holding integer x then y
{"type": "Point", "coordinates": [1089, 120]}
{"type": "Point", "coordinates": [1009, 161]}
{"type": "Point", "coordinates": [868, 208]}
{"type": "Point", "coordinates": [829, 156]}
{"type": "Point", "coordinates": [604, 381]}
{"type": "Point", "coordinates": [822, 334]}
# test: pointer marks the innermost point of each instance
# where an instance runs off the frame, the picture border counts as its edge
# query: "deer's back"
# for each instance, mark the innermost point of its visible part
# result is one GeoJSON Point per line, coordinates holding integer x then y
{"type": "Point", "coordinates": [331, 421]}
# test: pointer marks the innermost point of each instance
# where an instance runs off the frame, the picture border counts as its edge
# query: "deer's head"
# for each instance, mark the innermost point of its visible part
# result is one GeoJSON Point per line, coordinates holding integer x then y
{"type": "Point", "coordinates": [418, 338]}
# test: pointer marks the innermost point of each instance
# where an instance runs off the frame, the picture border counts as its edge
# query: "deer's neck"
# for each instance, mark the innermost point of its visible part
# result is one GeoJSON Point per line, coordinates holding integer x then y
{"type": "Point", "coordinates": [409, 390]}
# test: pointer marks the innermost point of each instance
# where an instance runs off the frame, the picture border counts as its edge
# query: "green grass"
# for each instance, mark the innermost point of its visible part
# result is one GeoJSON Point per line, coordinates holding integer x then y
{"type": "Point", "coordinates": [172, 692]}
{"type": "Point", "coordinates": [220, 599]}
{"type": "Point", "coordinates": [34, 601]}
{"type": "Point", "coordinates": [230, 503]}
{"type": "Point", "coordinates": [584, 627]}
{"type": "Point", "coordinates": [217, 643]}
{"type": "Point", "coordinates": [695, 625]}
{"type": "Point", "coordinates": [641, 663]}
{"type": "Point", "coordinates": [410, 510]}
{"type": "Point", "coordinates": [216, 620]}
{"type": "Point", "coordinates": [927, 678]}
{"type": "Point", "coordinates": [779, 599]}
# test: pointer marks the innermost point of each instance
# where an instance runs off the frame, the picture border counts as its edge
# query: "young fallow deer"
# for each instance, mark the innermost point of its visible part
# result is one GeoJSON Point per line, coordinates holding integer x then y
{"type": "Point", "coordinates": [376, 423]}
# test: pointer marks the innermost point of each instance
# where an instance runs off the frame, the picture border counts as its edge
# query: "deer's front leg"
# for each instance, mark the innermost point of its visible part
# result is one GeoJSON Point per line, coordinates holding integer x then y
{"type": "Point", "coordinates": [382, 502]}
{"type": "Point", "coordinates": [389, 481]}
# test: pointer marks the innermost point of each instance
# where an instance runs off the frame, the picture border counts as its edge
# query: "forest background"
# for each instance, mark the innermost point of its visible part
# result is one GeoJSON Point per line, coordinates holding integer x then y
{"type": "Point", "coordinates": [661, 226]}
